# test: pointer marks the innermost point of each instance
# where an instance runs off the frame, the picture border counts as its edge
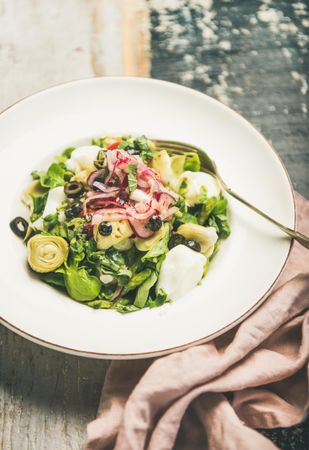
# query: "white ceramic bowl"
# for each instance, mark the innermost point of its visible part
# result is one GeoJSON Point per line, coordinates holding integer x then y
{"type": "Point", "coordinates": [242, 273]}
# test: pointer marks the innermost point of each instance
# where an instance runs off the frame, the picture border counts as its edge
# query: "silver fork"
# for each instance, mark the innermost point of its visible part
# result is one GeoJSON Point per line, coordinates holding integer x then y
{"type": "Point", "coordinates": [209, 166]}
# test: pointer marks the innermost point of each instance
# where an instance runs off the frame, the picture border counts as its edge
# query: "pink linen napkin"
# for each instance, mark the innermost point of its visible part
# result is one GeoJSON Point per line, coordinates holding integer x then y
{"type": "Point", "coordinates": [254, 376]}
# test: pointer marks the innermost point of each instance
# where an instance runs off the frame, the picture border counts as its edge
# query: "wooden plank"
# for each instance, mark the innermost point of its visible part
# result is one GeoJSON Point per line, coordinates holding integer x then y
{"type": "Point", "coordinates": [46, 397]}
{"type": "Point", "coordinates": [49, 42]}
{"type": "Point", "coordinates": [252, 56]}
{"type": "Point", "coordinates": [135, 38]}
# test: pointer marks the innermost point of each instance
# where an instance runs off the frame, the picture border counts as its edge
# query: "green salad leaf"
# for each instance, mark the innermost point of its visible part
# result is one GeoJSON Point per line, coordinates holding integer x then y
{"type": "Point", "coordinates": [146, 150]}
{"type": "Point", "coordinates": [77, 250]}
{"type": "Point", "coordinates": [36, 175]}
{"type": "Point", "coordinates": [111, 262]}
{"type": "Point", "coordinates": [143, 290]}
{"type": "Point", "coordinates": [159, 300]}
{"type": "Point", "coordinates": [56, 175]}
{"type": "Point", "coordinates": [124, 306]}
{"type": "Point", "coordinates": [218, 218]}
{"type": "Point", "coordinates": [203, 195]}
{"type": "Point", "coordinates": [127, 142]}
{"type": "Point", "coordinates": [100, 142]}
{"type": "Point", "coordinates": [81, 286]}
{"type": "Point", "coordinates": [136, 281]}
{"type": "Point", "coordinates": [132, 179]}
{"type": "Point", "coordinates": [50, 222]}
{"type": "Point", "coordinates": [203, 210]}
{"type": "Point", "coordinates": [160, 248]}
{"type": "Point", "coordinates": [183, 216]}
{"type": "Point", "coordinates": [75, 227]}
{"type": "Point", "coordinates": [55, 278]}
{"type": "Point", "coordinates": [100, 304]}
{"type": "Point", "coordinates": [38, 205]}
{"type": "Point", "coordinates": [65, 155]}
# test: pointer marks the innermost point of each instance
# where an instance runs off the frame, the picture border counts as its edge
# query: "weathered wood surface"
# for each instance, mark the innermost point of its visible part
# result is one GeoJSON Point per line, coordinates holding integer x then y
{"type": "Point", "coordinates": [44, 42]}
{"type": "Point", "coordinates": [47, 398]}
{"type": "Point", "coordinates": [251, 55]}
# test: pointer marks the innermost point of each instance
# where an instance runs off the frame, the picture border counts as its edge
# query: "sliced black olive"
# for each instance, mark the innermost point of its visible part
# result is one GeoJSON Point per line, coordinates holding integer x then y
{"type": "Point", "coordinates": [100, 161]}
{"type": "Point", "coordinates": [194, 245]}
{"type": "Point", "coordinates": [73, 189]}
{"type": "Point", "coordinates": [105, 229]}
{"type": "Point", "coordinates": [88, 230]}
{"type": "Point", "coordinates": [19, 226]}
{"type": "Point", "coordinates": [155, 223]}
{"type": "Point", "coordinates": [176, 239]}
{"type": "Point", "coordinates": [74, 211]}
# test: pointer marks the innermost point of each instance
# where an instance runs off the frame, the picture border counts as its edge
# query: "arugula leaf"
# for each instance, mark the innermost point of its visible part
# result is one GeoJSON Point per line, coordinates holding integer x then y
{"type": "Point", "coordinates": [75, 227]}
{"type": "Point", "coordinates": [203, 211]}
{"type": "Point", "coordinates": [65, 155]}
{"type": "Point", "coordinates": [183, 188]}
{"type": "Point", "coordinates": [124, 306]}
{"type": "Point", "coordinates": [127, 142]}
{"type": "Point", "coordinates": [111, 262]}
{"type": "Point", "coordinates": [81, 286]}
{"type": "Point", "coordinates": [77, 253]}
{"type": "Point", "coordinates": [146, 150]}
{"type": "Point", "coordinates": [159, 300]}
{"type": "Point", "coordinates": [160, 248]}
{"type": "Point", "coordinates": [182, 216]}
{"type": "Point", "coordinates": [51, 225]}
{"type": "Point", "coordinates": [50, 221]}
{"type": "Point", "coordinates": [100, 304]}
{"type": "Point", "coordinates": [36, 174]}
{"type": "Point", "coordinates": [55, 176]}
{"type": "Point", "coordinates": [132, 180]}
{"type": "Point", "coordinates": [143, 291]}
{"type": "Point", "coordinates": [221, 206]}
{"type": "Point", "coordinates": [192, 162]}
{"type": "Point", "coordinates": [54, 278]}
{"type": "Point", "coordinates": [38, 205]}
{"type": "Point", "coordinates": [218, 218]}
{"type": "Point", "coordinates": [203, 195]}
{"type": "Point", "coordinates": [100, 142]}
{"type": "Point", "coordinates": [116, 256]}
{"type": "Point", "coordinates": [136, 280]}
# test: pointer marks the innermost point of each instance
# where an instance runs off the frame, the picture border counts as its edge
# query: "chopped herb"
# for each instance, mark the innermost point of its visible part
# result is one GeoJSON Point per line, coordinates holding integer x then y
{"type": "Point", "coordinates": [132, 179]}
{"type": "Point", "coordinates": [38, 205]}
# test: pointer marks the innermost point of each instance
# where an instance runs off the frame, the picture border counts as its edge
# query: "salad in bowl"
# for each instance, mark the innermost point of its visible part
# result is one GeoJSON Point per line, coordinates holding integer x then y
{"type": "Point", "coordinates": [120, 224]}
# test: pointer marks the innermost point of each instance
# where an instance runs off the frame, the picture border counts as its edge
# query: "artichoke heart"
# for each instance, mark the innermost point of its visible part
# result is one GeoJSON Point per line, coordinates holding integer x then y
{"type": "Point", "coordinates": [121, 231]}
{"type": "Point", "coordinates": [83, 175]}
{"type": "Point", "coordinates": [47, 253]}
{"type": "Point", "coordinates": [205, 236]}
{"type": "Point", "coordinates": [144, 245]}
{"type": "Point", "coordinates": [170, 168]}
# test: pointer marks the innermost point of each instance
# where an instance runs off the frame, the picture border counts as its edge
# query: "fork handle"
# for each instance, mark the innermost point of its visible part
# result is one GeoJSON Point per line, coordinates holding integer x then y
{"type": "Point", "coordinates": [299, 237]}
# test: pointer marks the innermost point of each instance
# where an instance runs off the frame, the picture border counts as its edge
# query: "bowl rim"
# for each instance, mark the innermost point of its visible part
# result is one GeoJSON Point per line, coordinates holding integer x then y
{"type": "Point", "coordinates": [151, 354]}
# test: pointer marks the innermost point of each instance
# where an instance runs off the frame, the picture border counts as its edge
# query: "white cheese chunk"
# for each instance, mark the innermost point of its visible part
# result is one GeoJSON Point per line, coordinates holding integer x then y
{"type": "Point", "coordinates": [55, 197]}
{"type": "Point", "coordinates": [181, 271]}
{"type": "Point", "coordinates": [195, 181]}
{"type": "Point", "coordinates": [82, 157]}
